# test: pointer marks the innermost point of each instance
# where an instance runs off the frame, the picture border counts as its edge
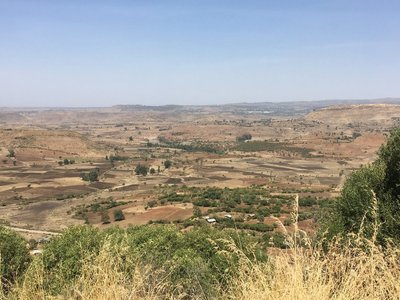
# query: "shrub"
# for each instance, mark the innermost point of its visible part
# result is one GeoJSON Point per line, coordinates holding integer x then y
{"type": "Point", "coordinates": [64, 255]}
{"type": "Point", "coordinates": [113, 158]}
{"type": "Point", "coordinates": [196, 212]}
{"type": "Point", "coordinates": [309, 201]}
{"type": "Point", "coordinates": [11, 153]}
{"type": "Point", "coordinates": [167, 164]}
{"type": "Point", "coordinates": [244, 137]}
{"type": "Point", "coordinates": [14, 255]}
{"type": "Point", "coordinates": [105, 218]}
{"type": "Point", "coordinates": [370, 197]}
{"type": "Point", "coordinates": [197, 263]}
{"type": "Point", "coordinates": [152, 203]}
{"type": "Point", "coordinates": [118, 215]}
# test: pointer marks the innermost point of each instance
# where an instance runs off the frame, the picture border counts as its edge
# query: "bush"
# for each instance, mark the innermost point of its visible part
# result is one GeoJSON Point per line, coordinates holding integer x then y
{"type": "Point", "coordinates": [64, 255]}
{"type": "Point", "coordinates": [105, 218]}
{"type": "Point", "coordinates": [194, 263]}
{"type": "Point", "coordinates": [244, 137]}
{"type": "Point", "coordinates": [196, 212]}
{"type": "Point", "coordinates": [309, 201]}
{"type": "Point", "coordinates": [167, 164]}
{"type": "Point", "coordinates": [118, 215]}
{"type": "Point", "coordinates": [14, 255]}
{"type": "Point", "coordinates": [152, 203]}
{"type": "Point", "coordinates": [113, 158]}
{"type": "Point", "coordinates": [11, 153]}
{"type": "Point", "coordinates": [370, 198]}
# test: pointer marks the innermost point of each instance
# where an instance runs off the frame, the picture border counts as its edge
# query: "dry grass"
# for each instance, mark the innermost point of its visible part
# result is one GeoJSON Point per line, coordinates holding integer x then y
{"type": "Point", "coordinates": [357, 270]}
{"type": "Point", "coordinates": [354, 268]}
{"type": "Point", "coordinates": [342, 273]}
{"type": "Point", "coordinates": [104, 278]}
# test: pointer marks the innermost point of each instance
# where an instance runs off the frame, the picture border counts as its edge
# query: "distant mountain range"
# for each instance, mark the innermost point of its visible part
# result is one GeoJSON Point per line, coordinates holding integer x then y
{"type": "Point", "coordinates": [291, 108]}
{"type": "Point", "coordinates": [271, 108]}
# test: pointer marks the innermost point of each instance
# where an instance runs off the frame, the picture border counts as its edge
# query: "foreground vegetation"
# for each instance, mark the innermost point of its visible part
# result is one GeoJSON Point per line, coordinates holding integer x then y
{"type": "Point", "coordinates": [355, 256]}
{"type": "Point", "coordinates": [162, 263]}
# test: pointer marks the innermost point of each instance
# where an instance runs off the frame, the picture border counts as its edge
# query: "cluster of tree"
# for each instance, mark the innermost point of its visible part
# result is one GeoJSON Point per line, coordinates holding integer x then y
{"type": "Point", "coordinates": [118, 216]}
{"type": "Point", "coordinates": [66, 161]}
{"type": "Point", "coordinates": [92, 176]}
{"type": "Point", "coordinates": [243, 200]}
{"type": "Point", "coordinates": [308, 201]}
{"type": "Point", "coordinates": [144, 170]}
{"type": "Point", "coordinates": [244, 137]}
{"type": "Point", "coordinates": [113, 158]}
{"type": "Point", "coordinates": [141, 170]}
{"type": "Point", "coordinates": [174, 197]}
{"type": "Point", "coordinates": [205, 203]}
{"type": "Point", "coordinates": [255, 146]}
{"type": "Point", "coordinates": [195, 147]}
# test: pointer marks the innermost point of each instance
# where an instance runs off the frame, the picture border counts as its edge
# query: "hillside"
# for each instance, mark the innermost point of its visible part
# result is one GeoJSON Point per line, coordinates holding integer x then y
{"type": "Point", "coordinates": [359, 113]}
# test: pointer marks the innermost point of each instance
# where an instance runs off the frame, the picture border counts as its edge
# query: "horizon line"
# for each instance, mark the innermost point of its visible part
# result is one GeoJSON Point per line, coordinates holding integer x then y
{"type": "Point", "coordinates": [394, 99]}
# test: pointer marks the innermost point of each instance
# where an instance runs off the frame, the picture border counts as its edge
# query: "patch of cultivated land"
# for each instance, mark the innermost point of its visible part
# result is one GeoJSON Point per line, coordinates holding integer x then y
{"type": "Point", "coordinates": [45, 154]}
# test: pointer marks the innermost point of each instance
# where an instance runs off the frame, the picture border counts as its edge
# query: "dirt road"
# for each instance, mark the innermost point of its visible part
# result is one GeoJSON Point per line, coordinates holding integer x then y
{"type": "Point", "coordinates": [33, 231]}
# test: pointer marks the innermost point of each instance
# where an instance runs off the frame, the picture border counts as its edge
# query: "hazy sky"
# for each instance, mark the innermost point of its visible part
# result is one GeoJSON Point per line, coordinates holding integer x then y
{"type": "Point", "coordinates": [98, 53]}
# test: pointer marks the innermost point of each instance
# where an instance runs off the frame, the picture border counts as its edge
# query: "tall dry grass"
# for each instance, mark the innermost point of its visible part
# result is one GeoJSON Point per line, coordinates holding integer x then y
{"type": "Point", "coordinates": [354, 268]}
{"type": "Point", "coordinates": [341, 273]}
{"type": "Point", "coordinates": [104, 277]}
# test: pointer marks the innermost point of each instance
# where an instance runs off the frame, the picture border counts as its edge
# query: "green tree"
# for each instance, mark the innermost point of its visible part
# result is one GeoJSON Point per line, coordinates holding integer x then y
{"type": "Point", "coordinates": [357, 204]}
{"type": "Point", "coordinates": [389, 155]}
{"type": "Point", "coordinates": [94, 175]}
{"type": "Point", "coordinates": [370, 198]}
{"type": "Point", "coordinates": [14, 255]}
{"type": "Point", "coordinates": [167, 164]}
{"type": "Point", "coordinates": [64, 255]}
{"type": "Point", "coordinates": [118, 215]}
{"type": "Point", "coordinates": [196, 212]}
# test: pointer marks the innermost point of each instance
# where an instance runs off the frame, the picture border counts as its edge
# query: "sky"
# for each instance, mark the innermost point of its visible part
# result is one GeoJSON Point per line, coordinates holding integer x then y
{"type": "Point", "coordinates": [101, 53]}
